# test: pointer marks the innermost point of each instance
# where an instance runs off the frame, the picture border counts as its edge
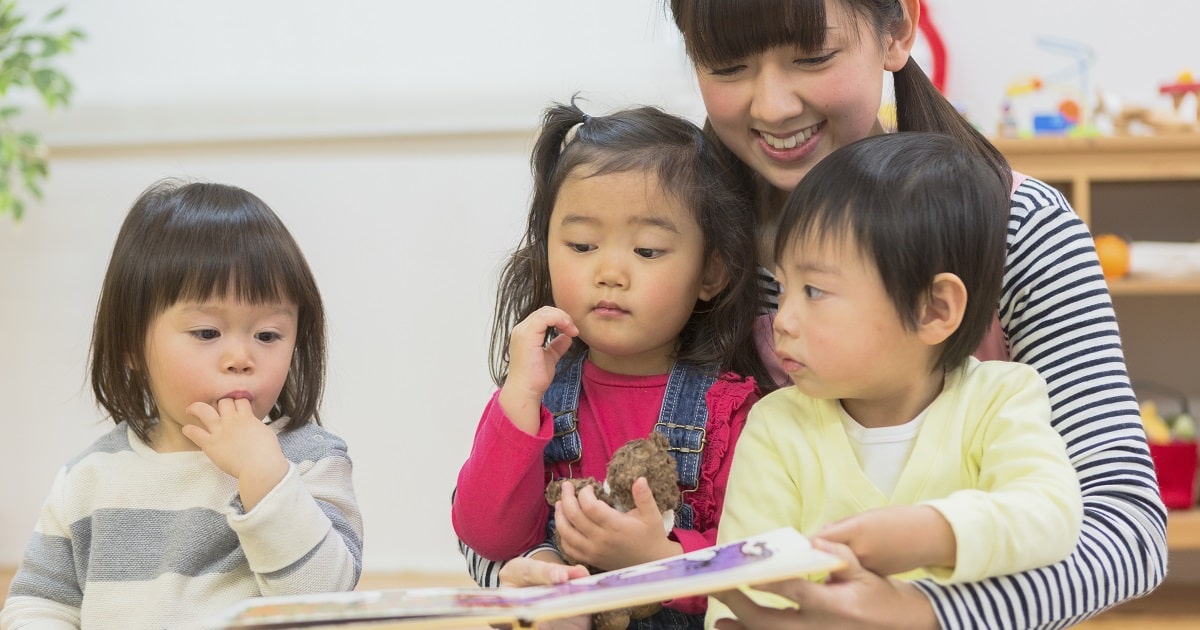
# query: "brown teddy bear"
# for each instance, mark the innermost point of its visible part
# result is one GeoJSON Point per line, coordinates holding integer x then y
{"type": "Point", "coordinates": [646, 457]}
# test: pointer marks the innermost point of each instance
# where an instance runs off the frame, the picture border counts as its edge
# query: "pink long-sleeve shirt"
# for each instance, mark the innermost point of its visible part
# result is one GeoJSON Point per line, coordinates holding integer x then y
{"type": "Point", "coordinates": [500, 508]}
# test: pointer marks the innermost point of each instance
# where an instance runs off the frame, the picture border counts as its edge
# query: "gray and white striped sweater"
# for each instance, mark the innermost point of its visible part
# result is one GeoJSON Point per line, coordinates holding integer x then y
{"type": "Point", "coordinates": [132, 538]}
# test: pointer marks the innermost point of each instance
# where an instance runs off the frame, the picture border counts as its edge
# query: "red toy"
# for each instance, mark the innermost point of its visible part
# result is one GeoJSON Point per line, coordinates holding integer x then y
{"type": "Point", "coordinates": [937, 48]}
{"type": "Point", "coordinates": [1182, 86]}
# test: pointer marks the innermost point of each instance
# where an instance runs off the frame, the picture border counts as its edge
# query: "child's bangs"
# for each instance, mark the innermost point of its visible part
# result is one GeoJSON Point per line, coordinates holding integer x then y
{"type": "Point", "coordinates": [718, 32]}
{"type": "Point", "coordinates": [243, 266]}
{"type": "Point", "coordinates": [824, 225]}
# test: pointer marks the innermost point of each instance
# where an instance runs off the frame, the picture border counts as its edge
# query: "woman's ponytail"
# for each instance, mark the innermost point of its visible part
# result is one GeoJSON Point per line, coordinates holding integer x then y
{"type": "Point", "coordinates": [921, 107]}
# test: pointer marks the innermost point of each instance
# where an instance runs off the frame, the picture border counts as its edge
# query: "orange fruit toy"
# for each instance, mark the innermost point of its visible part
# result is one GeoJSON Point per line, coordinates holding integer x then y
{"type": "Point", "coordinates": [1114, 255]}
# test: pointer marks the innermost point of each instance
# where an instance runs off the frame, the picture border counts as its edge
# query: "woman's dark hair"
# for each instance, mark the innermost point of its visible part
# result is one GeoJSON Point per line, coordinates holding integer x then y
{"type": "Point", "coordinates": [915, 204]}
{"type": "Point", "coordinates": [692, 169]}
{"type": "Point", "coordinates": [195, 241]}
{"type": "Point", "coordinates": [717, 32]}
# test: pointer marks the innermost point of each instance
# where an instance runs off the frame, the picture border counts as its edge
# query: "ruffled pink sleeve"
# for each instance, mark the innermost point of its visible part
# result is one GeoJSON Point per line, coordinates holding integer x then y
{"type": "Point", "coordinates": [729, 400]}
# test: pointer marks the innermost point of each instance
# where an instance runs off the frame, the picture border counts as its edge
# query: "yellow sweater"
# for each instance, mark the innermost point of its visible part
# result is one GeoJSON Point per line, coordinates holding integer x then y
{"type": "Point", "coordinates": [986, 458]}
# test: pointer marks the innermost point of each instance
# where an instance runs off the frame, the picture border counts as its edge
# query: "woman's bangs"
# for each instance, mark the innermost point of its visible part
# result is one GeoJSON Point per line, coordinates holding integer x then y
{"type": "Point", "coordinates": [718, 32]}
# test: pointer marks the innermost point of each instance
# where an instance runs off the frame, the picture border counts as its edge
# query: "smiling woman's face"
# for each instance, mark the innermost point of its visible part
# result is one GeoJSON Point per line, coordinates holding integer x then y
{"type": "Point", "coordinates": [783, 110]}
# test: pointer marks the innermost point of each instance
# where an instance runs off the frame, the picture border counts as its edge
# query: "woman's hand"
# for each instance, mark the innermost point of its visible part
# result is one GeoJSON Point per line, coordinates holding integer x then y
{"type": "Point", "coordinates": [852, 598]}
{"type": "Point", "coordinates": [592, 532]}
{"type": "Point", "coordinates": [545, 567]}
{"type": "Point", "coordinates": [540, 569]}
{"type": "Point", "coordinates": [531, 363]}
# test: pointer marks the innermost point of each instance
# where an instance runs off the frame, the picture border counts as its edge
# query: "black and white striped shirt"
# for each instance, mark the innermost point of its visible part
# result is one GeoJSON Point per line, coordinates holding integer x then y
{"type": "Point", "coordinates": [1058, 317]}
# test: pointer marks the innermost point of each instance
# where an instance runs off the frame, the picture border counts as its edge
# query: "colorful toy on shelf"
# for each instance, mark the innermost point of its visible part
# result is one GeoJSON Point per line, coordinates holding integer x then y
{"type": "Point", "coordinates": [1173, 446]}
{"type": "Point", "coordinates": [1083, 57]}
{"type": "Point", "coordinates": [1131, 119]}
{"type": "Point", "coordinates": [1113, 252]}
{"type": "Point", "coordinates": [1073, 110]}
{"type": "Point", "coordinates": [1184, 84]}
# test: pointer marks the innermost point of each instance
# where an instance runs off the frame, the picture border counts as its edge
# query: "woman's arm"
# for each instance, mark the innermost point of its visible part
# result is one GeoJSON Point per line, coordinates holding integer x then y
{"type": "Point", "coordinates": [1058, 317]}
{"type": "Point", "coordinates": [540, 565]}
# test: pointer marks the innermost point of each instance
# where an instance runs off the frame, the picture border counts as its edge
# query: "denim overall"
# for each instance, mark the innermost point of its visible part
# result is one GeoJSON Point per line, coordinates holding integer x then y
{"type": "Point", "coordinates": [682, 419]}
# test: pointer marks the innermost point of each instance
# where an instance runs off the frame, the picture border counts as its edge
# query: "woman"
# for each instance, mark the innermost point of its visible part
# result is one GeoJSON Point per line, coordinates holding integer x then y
{"type": "Point", "coordinates": [785, 83]}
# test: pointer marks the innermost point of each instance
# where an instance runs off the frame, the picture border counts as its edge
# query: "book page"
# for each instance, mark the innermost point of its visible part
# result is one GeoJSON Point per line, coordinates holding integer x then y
{"type": "Point", "coordinates": [777, 555]}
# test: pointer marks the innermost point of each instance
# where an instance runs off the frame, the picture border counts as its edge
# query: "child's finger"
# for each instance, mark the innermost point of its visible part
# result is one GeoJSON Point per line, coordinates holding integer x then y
{"type": "Point", "coordinates": [545, 319]}
{"type": "Point", "coordinates": [575, 531]}
{"type": "Point", "coordinates": [592, 511]}
{"type": "Point", "coordinates": [196, 434]}
{"type": "Point", "coordinates": [234, 406]}
{"type": "Point", "coordinates": [643, 500]}
{"type": "Point", "coordinates": [559, 345]}
{"type": "Point", "coordinates": [203, 412]}
{"type": "Point", "coordinates": [568, 503]}
{"type": "Point", "coordinates": [838, 532]}
{"type": "Point", "coordinates": [558, 319]}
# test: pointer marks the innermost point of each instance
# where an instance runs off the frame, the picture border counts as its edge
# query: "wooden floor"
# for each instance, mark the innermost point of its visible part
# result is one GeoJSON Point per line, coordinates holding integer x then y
{"type": "Point", "coordinates": [1171, 607]}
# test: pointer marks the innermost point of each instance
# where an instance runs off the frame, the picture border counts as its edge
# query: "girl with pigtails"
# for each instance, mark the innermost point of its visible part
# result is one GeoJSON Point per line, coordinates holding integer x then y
{"type": "Point", "coordinates": [627, 308]}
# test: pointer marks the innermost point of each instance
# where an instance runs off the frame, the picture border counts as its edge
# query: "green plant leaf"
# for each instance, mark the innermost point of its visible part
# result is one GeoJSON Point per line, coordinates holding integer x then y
{"type": "Point", "coordinates": [27, 62]}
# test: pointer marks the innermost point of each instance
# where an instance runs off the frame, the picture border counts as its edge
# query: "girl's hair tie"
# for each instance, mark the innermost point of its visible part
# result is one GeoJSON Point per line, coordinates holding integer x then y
{"type": "Point", "coordinates": [573, 131]}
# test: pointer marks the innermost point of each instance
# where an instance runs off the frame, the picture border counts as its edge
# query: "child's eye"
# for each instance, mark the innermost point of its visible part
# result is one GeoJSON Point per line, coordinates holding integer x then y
{"type": "Point", "coordinates": [812, 292]}
{"type": "Point", "coordinates": [268, 337]}
{"type": "Point", "coordinates": [205, 334]}
{"type": "Point", "coordinates": [647, 252]}
{"type": "Point", "coordinates": [581, 247]}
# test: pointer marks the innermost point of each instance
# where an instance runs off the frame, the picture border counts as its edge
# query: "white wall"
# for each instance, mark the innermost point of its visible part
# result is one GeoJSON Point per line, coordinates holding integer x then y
{"type": "Point", "coordinates": [393, 139]}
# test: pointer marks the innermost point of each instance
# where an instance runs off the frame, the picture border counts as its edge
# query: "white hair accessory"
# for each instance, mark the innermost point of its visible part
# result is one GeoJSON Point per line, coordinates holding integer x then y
{"type": "Point", "coordinates": [573, 131]}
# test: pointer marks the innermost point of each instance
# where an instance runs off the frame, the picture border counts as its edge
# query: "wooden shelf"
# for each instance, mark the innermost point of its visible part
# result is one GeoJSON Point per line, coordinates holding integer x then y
{"type": "Point", "coordinates": [1128, 158]}
{"type": "Point", "coordinates": [1098, 174]}
{"type": "Point", "coordinates": [1183, 530]}
{"type": "Point", "coordinates": [1155, 286]}
{"type": "Point", "coordinates": [1084, 168]}
{"type": "Point", "coordinates": [1076, 163]}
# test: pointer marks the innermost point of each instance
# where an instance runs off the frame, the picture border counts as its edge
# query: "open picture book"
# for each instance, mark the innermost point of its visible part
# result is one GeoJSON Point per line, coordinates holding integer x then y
{"type": "Point", "coordinates": [777, 555]}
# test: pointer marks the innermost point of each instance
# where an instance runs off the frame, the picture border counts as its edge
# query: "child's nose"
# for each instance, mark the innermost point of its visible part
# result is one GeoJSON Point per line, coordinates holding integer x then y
{"type": "Point", "coordinates": [238, 360]}
{"type": "Point", "coordinates": [611, 272]}
{"type": "Point", "coordinates": [785, 320]}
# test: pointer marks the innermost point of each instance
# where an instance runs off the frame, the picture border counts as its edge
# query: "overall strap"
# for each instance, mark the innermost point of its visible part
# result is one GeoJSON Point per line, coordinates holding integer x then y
{"type": "Point", "coordinates": [683, 419]}
{"type": "Point", "coordinates": [562, 400]}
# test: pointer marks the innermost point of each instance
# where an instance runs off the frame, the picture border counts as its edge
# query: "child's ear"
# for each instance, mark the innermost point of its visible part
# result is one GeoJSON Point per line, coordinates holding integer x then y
{"type": "Point", "coordinates": [714, 279]}
{"type": "Point", "coordinates": [902, 38]}
{"type": "Point", "coordinates": [942, 310]}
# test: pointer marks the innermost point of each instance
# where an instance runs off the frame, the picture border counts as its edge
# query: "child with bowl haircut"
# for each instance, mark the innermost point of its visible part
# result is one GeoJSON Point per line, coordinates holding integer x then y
{"type": "Point", "coordinates": [893, 439]}
{"type": "Point", "coordinates": [217, 482]}
{"type": "Point", "coordinates": [627, 309]}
